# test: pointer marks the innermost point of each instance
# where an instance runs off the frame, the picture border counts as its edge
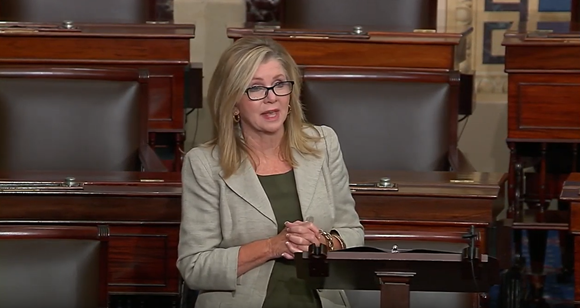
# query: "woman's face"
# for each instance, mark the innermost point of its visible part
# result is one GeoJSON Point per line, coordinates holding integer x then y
{"type": "Point", "coordinates": [264, 107]}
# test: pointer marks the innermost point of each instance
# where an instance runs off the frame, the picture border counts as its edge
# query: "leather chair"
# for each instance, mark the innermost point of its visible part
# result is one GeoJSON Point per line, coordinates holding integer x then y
{"type": "Point", "coordinates": [373, 15]}
{"type": "Point", "coordinates": [80, 11]}
{"type": "Point", "coordinates": [53, 266]}
{"type": "Point", "coordinates": [386, 124]}
{"type": "Point", "coordinates": [74, 119]}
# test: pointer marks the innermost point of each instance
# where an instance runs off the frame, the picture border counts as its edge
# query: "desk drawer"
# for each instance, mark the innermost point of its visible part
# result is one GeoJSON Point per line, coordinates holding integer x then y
{"type": "Point", "coordinates": [142, 259]}
{"type": "Point", "coordinates": [544, 107]}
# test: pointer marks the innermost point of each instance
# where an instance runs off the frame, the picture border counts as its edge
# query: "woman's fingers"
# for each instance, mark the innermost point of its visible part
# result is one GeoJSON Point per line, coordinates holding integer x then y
{"type": "Point", "coordinates": [301, 239]}
{"type": "Point", "coordinates": [302, 228]}
{"type": "Point", "coordinates": [293, 248]}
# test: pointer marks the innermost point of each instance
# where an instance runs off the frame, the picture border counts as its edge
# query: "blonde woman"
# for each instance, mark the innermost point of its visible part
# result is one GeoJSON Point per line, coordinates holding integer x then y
{"type": "Point", "coordinates": [269, 185]}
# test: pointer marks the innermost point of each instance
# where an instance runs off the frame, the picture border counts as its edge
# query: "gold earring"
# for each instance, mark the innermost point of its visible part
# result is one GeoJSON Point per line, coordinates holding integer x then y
{"type": "Point", "coordinates": [237, 117]}
{"type": "Point", "coordinates": [289, 108]}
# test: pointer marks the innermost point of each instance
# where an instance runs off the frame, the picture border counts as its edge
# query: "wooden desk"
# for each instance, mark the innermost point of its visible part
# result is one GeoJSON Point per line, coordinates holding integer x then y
{"type": "Point", "coordinates": [543, 130]}
{"type": "Point", "coordinates": [143, 215]}
{"type": "Point", "coordinates": [162, 49]}
{"type": "Point", "coordinates": [407, 56]}
{"type": "Point", "coordinates": [571, 193]}
{"type": "Point", "coordinates": [440, 202]}
{"type": "Point", "coordinates": [543, 98]}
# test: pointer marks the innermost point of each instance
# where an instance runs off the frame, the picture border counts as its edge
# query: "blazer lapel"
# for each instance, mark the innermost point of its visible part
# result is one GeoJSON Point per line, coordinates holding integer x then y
{"type": "Point", "coordinates": [246, 185]}
{"type": "Point", "coordinates": [307, 174]}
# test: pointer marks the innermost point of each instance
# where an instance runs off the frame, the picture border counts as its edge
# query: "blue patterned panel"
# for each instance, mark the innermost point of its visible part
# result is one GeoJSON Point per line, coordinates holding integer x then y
{"type": "Point", "coordinates": [488, 28]}
{"type": "Point", "coordinates": [499, 6]}
{"type": "Point", "coordinates": [554, 6]}
{"type": "Point", "coordinates": [502, 6]}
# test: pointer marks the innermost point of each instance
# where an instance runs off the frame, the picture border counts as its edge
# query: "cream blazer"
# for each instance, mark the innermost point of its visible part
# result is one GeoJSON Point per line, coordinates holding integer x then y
{"type": "Point", "coordinates": [219, 215]}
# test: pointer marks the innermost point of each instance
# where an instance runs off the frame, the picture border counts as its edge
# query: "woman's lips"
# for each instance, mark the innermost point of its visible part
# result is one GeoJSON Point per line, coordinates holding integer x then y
{"type": "Point", "coordinates": [271, 115]}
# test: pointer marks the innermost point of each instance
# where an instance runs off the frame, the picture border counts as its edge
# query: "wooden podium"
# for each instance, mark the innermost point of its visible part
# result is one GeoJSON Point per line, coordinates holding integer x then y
{"type": "Point", "coordinates": [162, 49]}
{"type": "Point", "coordinates": [396, 273]}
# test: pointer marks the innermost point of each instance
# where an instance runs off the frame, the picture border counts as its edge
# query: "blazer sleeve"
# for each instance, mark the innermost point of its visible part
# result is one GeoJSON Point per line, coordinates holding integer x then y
{"type": "Point", "coordinates": [202, 263]}
{"type": "Point", "coordinates": [347, 223]}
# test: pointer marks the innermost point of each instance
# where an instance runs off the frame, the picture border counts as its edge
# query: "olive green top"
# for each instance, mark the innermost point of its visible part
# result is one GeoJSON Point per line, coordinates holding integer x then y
{"type": "Point", "coordinates": [285, 290]}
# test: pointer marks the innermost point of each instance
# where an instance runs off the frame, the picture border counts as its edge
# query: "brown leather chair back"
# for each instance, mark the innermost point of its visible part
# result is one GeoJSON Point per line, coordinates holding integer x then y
{"type": "Point", "coordinates": [86, 11]}
{"type": "Point", "coordinates": [382, 123]}
{"type": "Point", "coordinates": [372, 14]}
{"type": "Point", "coordinates": [72, 119]}
{"type": "Point", "coordinates": [53, 266]}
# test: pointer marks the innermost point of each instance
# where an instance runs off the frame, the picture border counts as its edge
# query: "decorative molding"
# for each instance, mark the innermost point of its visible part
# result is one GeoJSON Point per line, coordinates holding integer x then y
{"type": "Point", "coordinates": [464, 16]}
{"type": "Point", "coordinates": [488, 83]}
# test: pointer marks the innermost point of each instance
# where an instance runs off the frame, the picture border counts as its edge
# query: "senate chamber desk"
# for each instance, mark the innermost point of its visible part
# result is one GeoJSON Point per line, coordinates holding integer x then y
{"type": "Point", "coordinates": [541, 61]}
{"type": "Point", "coordinates": [543, 102]}
{"type": "Point", "coordinates": [435, 206]}
{"type": "Point", "coordinates": [141, 209]}
{"type": "Point", "coordinates": [402, 54]}
{"type": "Point", "coordinates": [143, 212]}
{"type": "Point", "coordinates": [162, 49]}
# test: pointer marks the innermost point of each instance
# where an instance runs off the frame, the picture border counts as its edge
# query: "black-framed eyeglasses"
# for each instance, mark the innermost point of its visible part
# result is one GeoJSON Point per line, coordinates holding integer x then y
{"type": "Point", "coordinates": [281, 88]}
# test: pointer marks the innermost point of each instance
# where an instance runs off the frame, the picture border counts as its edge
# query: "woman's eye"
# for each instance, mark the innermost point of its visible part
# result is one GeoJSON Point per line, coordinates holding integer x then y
{"type": "Point", "coordinates": [255, 89]}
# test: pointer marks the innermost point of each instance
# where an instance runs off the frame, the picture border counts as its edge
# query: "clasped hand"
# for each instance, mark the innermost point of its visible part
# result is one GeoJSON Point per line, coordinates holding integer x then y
{"type": "Point", "coordinates": [296, 237]}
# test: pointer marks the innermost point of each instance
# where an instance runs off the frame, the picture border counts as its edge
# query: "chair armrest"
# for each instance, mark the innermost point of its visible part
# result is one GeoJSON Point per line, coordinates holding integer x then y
{"type": "Point", "coordinates": [461, 164]}
{"type": "Point", "coordinates": [150, 162]}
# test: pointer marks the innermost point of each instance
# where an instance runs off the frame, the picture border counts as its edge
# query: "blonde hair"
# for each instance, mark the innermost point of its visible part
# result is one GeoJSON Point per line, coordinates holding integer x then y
{"type": "Point", "coordinates": [232, 76]}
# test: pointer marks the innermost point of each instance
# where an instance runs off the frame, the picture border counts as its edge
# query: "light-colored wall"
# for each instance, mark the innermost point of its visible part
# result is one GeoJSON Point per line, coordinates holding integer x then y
{"type": "Point", "coordinates": [483, 134]}
{"type": "Point", "coordinates": [211, 19]}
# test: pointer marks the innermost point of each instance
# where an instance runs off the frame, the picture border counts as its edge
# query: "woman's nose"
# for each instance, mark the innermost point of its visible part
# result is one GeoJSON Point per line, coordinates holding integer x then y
{"type": "Point", "coordinates": [271, 97]}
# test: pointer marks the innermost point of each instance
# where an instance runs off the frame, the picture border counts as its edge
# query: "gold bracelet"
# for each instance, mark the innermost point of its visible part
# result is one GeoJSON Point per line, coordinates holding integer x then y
{"type": "Point", "coordinates": [342, 244]}
{"type": "Point", "coordinates": [328, 238]}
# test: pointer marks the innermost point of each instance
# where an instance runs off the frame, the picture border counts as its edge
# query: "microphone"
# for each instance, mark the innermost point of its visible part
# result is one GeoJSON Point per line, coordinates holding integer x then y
{"type": "Point", "coordinates": [471, 253]}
